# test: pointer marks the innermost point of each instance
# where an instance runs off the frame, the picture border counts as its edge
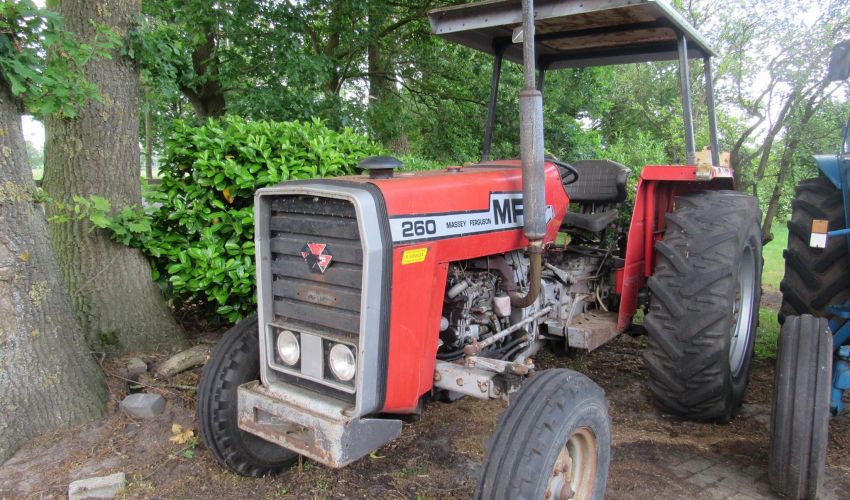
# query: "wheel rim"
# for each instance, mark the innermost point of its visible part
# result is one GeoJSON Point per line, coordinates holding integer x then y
{"type": "Point", "coordinates": [742, 312]}
{"type": "Point", "coordinates": [574, 473]}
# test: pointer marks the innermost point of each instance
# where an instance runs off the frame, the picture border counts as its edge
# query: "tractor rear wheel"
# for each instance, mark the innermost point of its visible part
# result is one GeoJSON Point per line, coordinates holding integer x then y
{"type": "Point", "coordinates": [703, 312]}
{"type": "Point", "coordinates": [553, 441]}
{"type": "Point", "coordinates": [800, 421]}
{"type": "Point", "coordinates": [235, 360]}
{"type": "Point", "coordinates": [815, 278]}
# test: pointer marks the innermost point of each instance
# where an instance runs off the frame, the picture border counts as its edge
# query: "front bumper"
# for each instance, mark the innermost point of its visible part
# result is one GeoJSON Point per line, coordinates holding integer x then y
{"type": "Point", "coordinates": [310, 424]}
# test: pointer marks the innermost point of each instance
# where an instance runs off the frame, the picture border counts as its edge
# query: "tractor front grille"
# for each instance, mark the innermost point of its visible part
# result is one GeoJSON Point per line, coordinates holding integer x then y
{"type": "Point", "coordinates": [329, 301]}
{"type": "Point", "coordinates": [321, 306]}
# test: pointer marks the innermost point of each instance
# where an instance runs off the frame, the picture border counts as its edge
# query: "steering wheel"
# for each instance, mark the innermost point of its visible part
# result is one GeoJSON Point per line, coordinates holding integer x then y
{"type": "Point", "coordinates": [568, 173]}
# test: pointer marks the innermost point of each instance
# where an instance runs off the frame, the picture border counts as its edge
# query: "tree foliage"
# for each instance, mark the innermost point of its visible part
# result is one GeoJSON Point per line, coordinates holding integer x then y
{"type": "Point", "coordinates": [198, 225]}
{"type": "Point", "coordinates": [47, 84]}
{"type": "Point", "coordinates": [773, 89]}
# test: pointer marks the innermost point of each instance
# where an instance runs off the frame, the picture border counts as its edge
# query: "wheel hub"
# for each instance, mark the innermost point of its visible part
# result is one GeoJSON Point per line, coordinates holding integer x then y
{"type": "Point", "coordinates": [574, 473]}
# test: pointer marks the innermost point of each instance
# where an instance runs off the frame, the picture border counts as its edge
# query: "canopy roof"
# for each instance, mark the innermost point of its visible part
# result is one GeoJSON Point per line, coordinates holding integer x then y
{"type": "Point", "coordinates": [572, 33]}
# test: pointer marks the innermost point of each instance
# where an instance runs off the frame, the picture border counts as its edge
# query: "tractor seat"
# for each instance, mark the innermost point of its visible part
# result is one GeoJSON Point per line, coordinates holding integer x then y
{"type": "Point", "coordinates": [594, 223]}
{"type": "Point", "coordinates": [600, 182]}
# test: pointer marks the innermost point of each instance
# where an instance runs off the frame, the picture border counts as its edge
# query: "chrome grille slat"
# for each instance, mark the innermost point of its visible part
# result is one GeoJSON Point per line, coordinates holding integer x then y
{"type": "Point", "coordinates": [319, 315]}
{"type": "Point", "coordinates": [331, 226]}
{"type": "Point", "coordinates": [348, 251]}
{"type": "Point", "coordinates": [284, 267]}
{"type": "Point", "coordinates": [317, 293]}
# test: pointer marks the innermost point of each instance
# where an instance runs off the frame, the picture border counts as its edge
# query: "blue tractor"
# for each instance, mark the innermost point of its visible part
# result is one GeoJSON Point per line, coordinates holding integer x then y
{"type": "Point", "coordinates": [813, 366]}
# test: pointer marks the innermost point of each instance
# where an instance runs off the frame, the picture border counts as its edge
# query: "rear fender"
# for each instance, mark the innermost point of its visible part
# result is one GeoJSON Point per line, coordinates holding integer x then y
{"type": "Point", "coordinates": [657, 188]}
{"type": "Point", "coordinates": [829, 165]}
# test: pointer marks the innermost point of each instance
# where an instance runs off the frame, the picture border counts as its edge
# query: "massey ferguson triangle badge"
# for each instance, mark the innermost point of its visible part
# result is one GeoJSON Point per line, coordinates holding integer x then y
{"type": "Point", "coordinates": [317, 256]}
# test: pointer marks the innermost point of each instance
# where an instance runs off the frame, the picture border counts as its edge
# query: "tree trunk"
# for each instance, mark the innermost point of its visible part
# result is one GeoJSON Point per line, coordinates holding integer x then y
{"type": "Point", "coordinates": [773, 204]}
{"type": "Point", "coordinates": [97, 153]}
{"type": "Point", "coordinates": [793, 137]}
{"type": "Point", "coordinates": [207, 98]}
{"type": "Point", "coordinates": [148, 140]}
{"type": "Point", "coordinates": [48, 378]}
{"type": "Point", "coordinates": [381, 79]}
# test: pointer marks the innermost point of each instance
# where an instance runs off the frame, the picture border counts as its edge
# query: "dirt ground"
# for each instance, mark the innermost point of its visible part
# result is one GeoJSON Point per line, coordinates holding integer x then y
{"type": "Point", "coordinates": [654, 456]}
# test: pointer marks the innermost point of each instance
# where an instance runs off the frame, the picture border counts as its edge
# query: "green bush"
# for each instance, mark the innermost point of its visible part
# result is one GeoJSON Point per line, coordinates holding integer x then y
{"type": "Point", "coordinates": [198, 226]}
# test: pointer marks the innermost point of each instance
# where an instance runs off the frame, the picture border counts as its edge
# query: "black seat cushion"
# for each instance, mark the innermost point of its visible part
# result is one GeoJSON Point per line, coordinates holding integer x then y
{"type": "Point", "coordinates": [590, 222]}
{"type": "Point", "coordinates": [598, 181]}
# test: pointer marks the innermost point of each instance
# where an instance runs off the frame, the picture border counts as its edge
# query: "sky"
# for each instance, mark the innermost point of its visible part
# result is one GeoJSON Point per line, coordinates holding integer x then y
{"type": "Point", "coordinates": [33, 131]}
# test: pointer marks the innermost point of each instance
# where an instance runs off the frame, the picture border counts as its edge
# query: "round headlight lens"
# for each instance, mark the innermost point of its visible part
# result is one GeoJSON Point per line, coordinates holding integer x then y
{"type": "Point", "coordinates": [288, 348]}
{"type": "Point", "coordinates": [342, 362]}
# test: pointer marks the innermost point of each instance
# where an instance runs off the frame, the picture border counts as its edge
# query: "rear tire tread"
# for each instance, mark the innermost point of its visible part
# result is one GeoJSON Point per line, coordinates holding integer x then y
{"type": "Point", "coordinates": [814, 278]}
{"type": "Point", "coordinates": [690, 311]}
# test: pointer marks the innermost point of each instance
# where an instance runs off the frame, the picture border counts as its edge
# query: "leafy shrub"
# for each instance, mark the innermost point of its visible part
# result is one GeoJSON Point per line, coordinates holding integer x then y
{"type": "Point", "coordinates": [198, 224]}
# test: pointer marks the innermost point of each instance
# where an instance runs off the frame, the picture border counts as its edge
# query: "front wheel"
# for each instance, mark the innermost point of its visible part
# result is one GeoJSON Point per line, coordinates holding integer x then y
{"type": "Point", "coordinates": [235, 361]}
{"type": "Point", "coordinates": [553, 441]}
{"type": "Point", "coordinates": [800, 418]}
{"type": "Point", "coordinates": [703, 312]}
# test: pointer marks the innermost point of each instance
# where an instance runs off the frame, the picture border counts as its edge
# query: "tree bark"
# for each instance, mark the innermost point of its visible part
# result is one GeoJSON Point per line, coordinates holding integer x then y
{"type": "Point", "coordinates": [793, 136]}
{"type": "Point", "coordinates": [773, 204]}
{"type": "Point", "coordinates": [148, 140]}
{"type": "Point", "coordinates": [48, 378]}
{"type": "Point", "coordinates": [97, 153]}
{"type": "Point", "coordinates": [380, 76]}
{"type": "Point", "coordinates": [207, 99]}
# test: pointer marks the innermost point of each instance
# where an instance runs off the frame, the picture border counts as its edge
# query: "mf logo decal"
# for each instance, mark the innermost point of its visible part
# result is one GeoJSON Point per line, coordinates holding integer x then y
{"type": "Point", "coordinates": [504, 212]}
{"type": "Point", "coordinates": [317, 256]}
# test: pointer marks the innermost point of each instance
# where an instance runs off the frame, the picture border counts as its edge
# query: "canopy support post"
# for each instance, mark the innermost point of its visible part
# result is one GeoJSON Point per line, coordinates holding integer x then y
{"type": "Point", "coordinates": [491, 105]}
{"type": "Point", "coordinates": [712, 116]}
{"type": "Point", "coordinates": [685, 84]}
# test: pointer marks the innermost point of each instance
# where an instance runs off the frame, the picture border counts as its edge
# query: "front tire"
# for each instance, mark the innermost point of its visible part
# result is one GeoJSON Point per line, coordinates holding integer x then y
{"type": "Point", "coordinates": [705, 294]}
{"type": "Point", "coordinates": [553, 441]}
{"type": "Point", "coordinates": [235, 361]}
{"type": "Point", "coordinates": [800, 419]}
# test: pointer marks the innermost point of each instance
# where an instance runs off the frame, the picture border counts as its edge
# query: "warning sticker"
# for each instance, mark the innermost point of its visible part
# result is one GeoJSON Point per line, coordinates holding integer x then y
{"type": "Point", "coordinates": [414, 256]}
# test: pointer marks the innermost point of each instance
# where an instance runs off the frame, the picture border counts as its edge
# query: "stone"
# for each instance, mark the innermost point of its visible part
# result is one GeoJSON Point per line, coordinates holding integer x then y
{"type": "Point", "coordinates": [97, 487]}
{"type": "Point", "coordinates": [143, 405]}
{"type": "Point", "coordinates": [134, 367]}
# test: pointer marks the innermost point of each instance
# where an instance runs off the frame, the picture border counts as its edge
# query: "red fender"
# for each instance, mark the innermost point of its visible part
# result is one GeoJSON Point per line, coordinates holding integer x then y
{"type": "Point", "coordinates": [657, 189]}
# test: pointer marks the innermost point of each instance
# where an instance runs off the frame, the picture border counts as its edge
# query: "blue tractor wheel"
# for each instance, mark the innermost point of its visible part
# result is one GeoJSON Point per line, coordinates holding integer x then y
{"type": "Point", "coordinates": [815, 278]}
{"type": "Point", "coordinates": [800, 418]}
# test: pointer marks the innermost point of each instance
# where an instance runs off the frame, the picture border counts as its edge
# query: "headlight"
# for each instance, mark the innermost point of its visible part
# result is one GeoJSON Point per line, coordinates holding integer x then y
{"type": "Point", "coordinates": [342, 362]}
{"type": "Point", "coordinates": [288, 348]}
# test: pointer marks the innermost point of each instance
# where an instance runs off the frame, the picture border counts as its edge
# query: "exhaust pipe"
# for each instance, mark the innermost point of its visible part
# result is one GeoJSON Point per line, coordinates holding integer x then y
{"type": "Point", "coordinates": [531, 155]}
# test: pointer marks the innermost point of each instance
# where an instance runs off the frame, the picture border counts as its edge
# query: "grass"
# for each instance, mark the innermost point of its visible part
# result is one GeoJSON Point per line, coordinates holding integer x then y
{"type": "Point", "coordinates": [774, 265]}
{"type": "Point", "coordinates": [774, 269]}
{"type": "Point", "coordinates": [768, 335]}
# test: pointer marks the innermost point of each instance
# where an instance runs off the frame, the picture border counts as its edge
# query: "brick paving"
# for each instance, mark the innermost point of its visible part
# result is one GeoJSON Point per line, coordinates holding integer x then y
{"type": "Point", "coordinates": [687, 471]}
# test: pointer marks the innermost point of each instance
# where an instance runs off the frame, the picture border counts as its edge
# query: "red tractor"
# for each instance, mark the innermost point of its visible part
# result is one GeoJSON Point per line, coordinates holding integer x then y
{"type": "Point", "coordinates": [381, 291]}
